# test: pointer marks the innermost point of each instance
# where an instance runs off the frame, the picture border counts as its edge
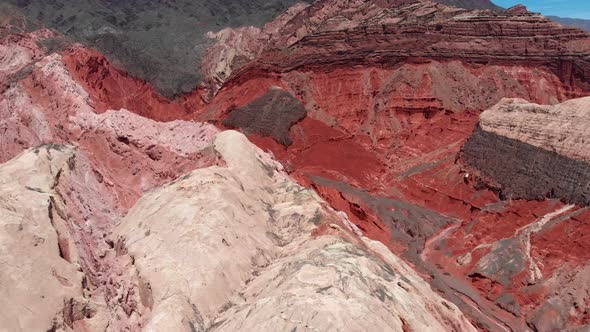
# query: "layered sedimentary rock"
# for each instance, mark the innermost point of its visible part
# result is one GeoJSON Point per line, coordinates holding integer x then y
{"type": "Point", "coordinates": [371, 70]}
{"type": "Point", "coordinates": [382, 135]}
{"type": "Point", "coordinates": [534, 151]}
{"type": "Point", "coordinates": [332, 34]}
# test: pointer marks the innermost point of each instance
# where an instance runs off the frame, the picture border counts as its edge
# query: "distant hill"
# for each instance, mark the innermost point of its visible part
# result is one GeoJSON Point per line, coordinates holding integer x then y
{"type": "Point", "coordinates": [575, 22]}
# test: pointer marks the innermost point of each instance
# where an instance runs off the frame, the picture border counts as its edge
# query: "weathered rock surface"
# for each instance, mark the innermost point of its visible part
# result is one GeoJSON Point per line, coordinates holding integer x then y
{"type": "Point", "coordinates": [36, 277]}
{"type": "Point", "coordinates": [533, 151]}
{"type": "Point", "coordinates": [134, 154]}
{"type": "Point", "coordinates": [230, 248]}
{"type": "Point", "coordinates": [560, 128]}
{"type": "Point", "coordinates": [61, 270]}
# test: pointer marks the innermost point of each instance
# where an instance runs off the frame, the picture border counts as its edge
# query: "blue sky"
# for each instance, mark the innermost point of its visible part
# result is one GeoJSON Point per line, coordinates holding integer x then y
{"type": "Point", "coordinates": [565, 8]}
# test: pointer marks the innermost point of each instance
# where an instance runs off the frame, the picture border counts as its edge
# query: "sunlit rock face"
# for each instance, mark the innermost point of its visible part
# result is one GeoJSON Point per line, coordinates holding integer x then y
{"type": "Point", "coordinates": [547, 147]}
{"type": "Point", "coordinates": [244, 247]}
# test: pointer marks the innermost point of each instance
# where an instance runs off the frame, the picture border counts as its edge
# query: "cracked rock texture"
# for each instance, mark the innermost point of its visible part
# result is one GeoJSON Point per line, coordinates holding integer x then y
{"type": "Point", "coordinates": [230, 248]}
{"type": "Point", "coordinates": [36, 277]}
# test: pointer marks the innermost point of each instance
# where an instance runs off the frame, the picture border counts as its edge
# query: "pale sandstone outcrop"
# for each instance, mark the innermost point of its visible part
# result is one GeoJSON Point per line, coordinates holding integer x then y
{"type": "Point", "coordinates": [223, 242]}
{"type": "Point", "coordinates": [118, 156]}
{"type": "Point", "coordinates": [329, 284]}
{"type": "Point", "coordinates": [60, 272]}
{"type": "Point", "coordinates": [561, 128]}
{"type": "Point", "coordinates": [198, 253]}
{"type": "Point", "coordinates": [534, 151]}
{"type": "Point", "coordinates": [36, 280]}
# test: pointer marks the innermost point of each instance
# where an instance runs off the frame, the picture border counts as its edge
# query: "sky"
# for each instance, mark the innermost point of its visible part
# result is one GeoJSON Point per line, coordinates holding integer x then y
{"type": "Point", "coordinates": [564, 8]}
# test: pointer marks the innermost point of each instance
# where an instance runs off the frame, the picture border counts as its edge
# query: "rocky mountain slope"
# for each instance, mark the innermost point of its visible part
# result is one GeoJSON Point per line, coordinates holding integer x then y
{"type": "Point", "coordinates": [384, 131]}
{"type": "Point", "coordinates": [374, 190]}
{"type": "Point", "coordinates": [140, 34]}
{"type": "Point", "coordinates": [336, 34]}
{"type": "Point", "coordinates": [575, 22]}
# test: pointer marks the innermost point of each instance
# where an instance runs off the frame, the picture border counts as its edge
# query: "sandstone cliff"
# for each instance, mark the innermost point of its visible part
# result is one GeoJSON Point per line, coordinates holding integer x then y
{"type": "Point", "coordinates": [547, 146]}
{"type": "Point", "coordinates": [388, 34]}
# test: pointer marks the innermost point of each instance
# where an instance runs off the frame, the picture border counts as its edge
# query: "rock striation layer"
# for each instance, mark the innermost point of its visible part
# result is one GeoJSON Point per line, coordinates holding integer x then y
{"type": "Point", "coordinates": [336, 33]}
{"type": "Point", "coordinates": [534, 151]}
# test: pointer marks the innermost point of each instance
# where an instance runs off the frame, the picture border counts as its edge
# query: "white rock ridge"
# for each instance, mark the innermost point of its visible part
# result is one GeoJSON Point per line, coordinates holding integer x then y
{"type": "Point", "coordinates": [231, 248]}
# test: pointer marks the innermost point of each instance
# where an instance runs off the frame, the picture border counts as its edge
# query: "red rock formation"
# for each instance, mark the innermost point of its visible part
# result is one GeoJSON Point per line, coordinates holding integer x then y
{"type": "Point", "coordinates": [392, 95]}
{"type": "Point", "coordinates": [51, 106]}
{"type": "Point", "coordinates": [112, 88]}
{"type": "Point", "coordinates": [343, 33]}
{"type": "Point", "coordinates": [393, 90]}
{"type": "Point", "coordinates": [89, 279]}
